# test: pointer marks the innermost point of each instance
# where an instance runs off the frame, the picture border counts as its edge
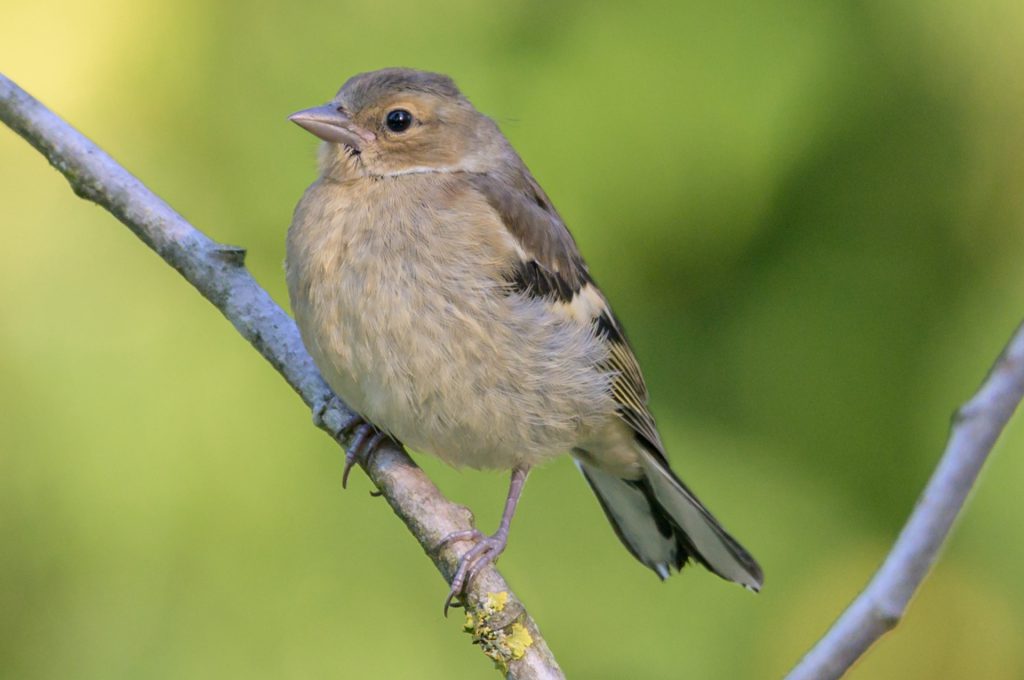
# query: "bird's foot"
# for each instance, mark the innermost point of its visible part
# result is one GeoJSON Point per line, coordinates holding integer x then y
{"type": "Point", "coordinates": [365, 437]}
{"type": "Point", "coordinates": [485, 552]}
{"type": "Point", "coordinates": [365, 440]}
{"type": "Point", "coordinates": [468, 535]}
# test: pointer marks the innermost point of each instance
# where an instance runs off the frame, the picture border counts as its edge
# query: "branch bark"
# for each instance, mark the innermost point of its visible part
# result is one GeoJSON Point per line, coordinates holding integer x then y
{"type": "Point", "coordinates": [976, 426]}
{"type": "Point", "coordinates": [500, 623]}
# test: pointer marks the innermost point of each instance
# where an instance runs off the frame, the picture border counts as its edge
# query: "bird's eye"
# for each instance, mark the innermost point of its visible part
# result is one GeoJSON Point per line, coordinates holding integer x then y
{"type": "Point", "coordinates": [398, 120]}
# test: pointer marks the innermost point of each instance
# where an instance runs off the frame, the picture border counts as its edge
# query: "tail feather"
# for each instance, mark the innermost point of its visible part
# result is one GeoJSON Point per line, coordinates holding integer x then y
{"type": "Point", "coordinates": [663, 525]}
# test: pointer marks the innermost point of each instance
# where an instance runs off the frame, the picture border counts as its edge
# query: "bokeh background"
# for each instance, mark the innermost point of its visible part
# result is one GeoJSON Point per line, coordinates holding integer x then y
{"type": "Point", "coordinates": [808, 215]}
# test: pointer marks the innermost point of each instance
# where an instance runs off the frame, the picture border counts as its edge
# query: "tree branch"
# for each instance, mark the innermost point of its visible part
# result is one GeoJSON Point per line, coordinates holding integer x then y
{"type": "Point", "coordinates": [500, 622]}
{"type": "Point", "coordinates": [976, 426]}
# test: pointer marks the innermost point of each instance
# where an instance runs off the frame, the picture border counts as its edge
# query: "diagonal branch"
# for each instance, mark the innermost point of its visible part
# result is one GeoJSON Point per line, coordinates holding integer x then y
{"type": "Point", "coordinates": [976, 426]}
{"type": "Point", "coordinates": [501, 624]}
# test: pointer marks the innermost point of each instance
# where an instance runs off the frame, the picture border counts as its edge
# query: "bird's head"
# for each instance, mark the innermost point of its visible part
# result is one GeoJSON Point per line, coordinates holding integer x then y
{"type": "Point", "coordinates": [399, 121]}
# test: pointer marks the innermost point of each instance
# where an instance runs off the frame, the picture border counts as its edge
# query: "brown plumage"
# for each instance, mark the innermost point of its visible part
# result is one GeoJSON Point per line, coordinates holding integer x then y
{"type": "Point", "coordinates": [442, 297]}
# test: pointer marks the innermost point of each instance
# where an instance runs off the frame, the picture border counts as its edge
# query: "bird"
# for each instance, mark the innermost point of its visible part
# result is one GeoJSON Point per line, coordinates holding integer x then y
{"type": "Point", "coordinates": [442, 297]}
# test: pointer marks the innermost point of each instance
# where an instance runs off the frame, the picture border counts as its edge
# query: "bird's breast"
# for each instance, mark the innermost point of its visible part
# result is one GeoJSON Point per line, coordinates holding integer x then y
{"type": "Point", "coordinates": [398, 290]}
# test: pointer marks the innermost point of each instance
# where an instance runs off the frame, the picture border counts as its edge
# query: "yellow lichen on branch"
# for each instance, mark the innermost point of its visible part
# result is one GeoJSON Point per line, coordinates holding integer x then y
{"type": "Point", "coordinates": [503, 642]}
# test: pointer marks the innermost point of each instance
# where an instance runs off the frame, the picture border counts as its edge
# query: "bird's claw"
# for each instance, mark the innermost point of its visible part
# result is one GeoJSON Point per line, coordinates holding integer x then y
{"type": "Point", "coordinates": [365, 440]}
{"type": "Point", "coordinates": [365, 437]}
{"type": "Point", "coordinates": [485, 552]}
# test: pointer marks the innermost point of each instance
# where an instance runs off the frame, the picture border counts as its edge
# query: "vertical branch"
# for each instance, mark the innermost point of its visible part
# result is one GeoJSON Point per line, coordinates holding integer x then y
{"type": "Point", "coordinates": [976, 426]}
{"type": "Point", "coordinates": [501, 625]}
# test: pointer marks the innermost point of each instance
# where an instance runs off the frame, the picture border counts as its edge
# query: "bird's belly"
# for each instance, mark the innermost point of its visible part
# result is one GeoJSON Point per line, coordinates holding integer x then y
{"type": "Point", "coordinates": [459, 368]}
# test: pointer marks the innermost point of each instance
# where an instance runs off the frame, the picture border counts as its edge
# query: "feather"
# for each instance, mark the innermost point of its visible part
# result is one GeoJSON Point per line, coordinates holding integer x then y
{"type": "Point", "coordinates": [663, 525]}
{"type": "Point", "coordinates": [711, 544]}
{"type": "Point", "coordinates": [640, 524]}
{"type": "Point", "coordinates": [550, 267]}
{"type": "Point", "coordinates": [536, 226]}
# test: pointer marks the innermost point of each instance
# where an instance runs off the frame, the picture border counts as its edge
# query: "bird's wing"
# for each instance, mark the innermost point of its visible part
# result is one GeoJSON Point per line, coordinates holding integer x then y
{"type": "Point", "coordinates": [550, 266]}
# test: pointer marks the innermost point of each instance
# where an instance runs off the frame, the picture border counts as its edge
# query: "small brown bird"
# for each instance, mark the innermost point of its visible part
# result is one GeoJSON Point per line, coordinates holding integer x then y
{"type": "Point", "coordinates": [442, 297]}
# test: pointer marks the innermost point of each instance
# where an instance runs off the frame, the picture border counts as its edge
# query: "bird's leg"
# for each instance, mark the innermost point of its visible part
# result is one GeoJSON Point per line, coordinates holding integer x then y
{"type": "Point", "coordinates": [488, 548]}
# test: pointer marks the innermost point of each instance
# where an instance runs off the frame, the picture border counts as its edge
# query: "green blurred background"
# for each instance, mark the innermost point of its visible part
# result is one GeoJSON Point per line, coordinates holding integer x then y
{"type": "Point", "coordinates": [809, 216]}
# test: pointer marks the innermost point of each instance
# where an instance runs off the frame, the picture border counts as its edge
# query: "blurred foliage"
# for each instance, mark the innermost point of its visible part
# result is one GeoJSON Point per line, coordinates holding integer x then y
{"type": "Point", "coordinates": [808, 215]}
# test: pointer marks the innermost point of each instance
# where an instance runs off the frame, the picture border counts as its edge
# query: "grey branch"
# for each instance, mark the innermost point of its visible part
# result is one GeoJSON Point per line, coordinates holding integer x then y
{"type": "Point", "coordinates": [503, 628]}
{"type": "Point", "coordinates": [878, 609]}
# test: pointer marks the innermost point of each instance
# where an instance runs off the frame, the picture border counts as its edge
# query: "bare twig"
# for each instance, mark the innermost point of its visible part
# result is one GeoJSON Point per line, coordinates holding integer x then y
{"type": "Point", "coordinates": [878, 609]}
{"type": "Point", "coordinates": [502, 626]}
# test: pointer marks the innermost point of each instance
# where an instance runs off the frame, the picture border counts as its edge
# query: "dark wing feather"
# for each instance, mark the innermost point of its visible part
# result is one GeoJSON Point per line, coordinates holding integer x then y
{"type": "Point", "coordinates": [552, 268]}
{"type": "Point", "coordinates": [628, 388]}
{"type": "Point", "coordinates": [553, 260]}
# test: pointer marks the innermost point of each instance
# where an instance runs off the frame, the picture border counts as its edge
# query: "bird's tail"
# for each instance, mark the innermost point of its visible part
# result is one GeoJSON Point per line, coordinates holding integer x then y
{"type": "Point", "coordinates": [663, 524]}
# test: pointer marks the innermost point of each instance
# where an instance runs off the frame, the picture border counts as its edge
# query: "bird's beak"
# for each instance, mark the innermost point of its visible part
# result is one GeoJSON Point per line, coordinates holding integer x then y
{"type": "Point", "coordinates": [331, 125]}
